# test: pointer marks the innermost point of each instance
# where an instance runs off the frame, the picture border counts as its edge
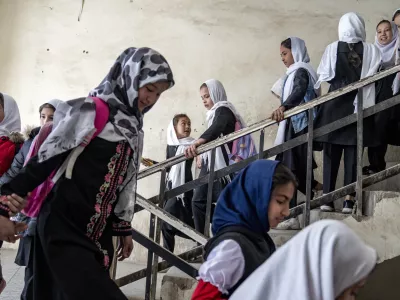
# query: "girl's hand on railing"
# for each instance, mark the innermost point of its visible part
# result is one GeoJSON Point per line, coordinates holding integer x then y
{"type": "Point", "coordinates": [147, 162]}
{"type": "Point", "coordinates": [278, 115]}
{"type": "Point", "coordinates": [191, 151]}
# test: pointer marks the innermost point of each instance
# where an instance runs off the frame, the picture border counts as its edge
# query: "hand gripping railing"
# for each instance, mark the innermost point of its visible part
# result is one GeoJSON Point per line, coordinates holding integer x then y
{"type": "Point", "coordinates": [158, 214]}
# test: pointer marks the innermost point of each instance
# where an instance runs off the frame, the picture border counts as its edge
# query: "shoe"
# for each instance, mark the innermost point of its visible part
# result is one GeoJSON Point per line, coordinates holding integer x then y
{"type": "Point", "coordinates": [293, 224]}
{"type": "Point", "coordinates": [368, 170]}
{"type": "Point", "coordinates": [348, 206]}
{"type": "Point", "coordinates": [328, 207]}
{"type": "Point", "coordinates": [2, 285]}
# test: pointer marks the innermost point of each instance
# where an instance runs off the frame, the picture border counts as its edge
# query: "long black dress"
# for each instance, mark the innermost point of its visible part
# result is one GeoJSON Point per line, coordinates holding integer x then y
{"type": "Point", "coordinates": [296, 158]}
{"type": "Point", "coordinates": [386, 128]}
{"type": "Point", "coordinates": [73, 243]}
{"type": "Point", "coordinates": [343, 139]}
{"type": "Point", "coordinates": [181, 209]}
{"type": "Point", "coordinates": [223, 124]}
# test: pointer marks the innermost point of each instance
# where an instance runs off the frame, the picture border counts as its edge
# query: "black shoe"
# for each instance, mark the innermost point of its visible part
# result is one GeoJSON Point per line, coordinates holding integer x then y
{"type": "Point", "coordinates": [348, 206]}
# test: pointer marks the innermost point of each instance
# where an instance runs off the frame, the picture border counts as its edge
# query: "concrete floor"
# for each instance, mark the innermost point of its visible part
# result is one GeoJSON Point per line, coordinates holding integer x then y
{"type": "Point", "coordinates": [14, 275]}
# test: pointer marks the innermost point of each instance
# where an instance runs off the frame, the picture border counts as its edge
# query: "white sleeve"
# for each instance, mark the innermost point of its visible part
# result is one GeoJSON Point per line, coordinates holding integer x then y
{"type": "Point", "coordinates": [224, 266]}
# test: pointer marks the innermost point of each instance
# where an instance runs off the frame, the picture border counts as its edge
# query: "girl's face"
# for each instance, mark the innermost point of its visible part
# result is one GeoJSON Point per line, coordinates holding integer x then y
{"type": "Point", "coordinates": [183, 128]}
{"type": "Point", "coordinates": [385, 35]}
{"type": "Point", "coordinates": [278, 208]}
{"type": "Point", "coordinates": [149, 94]}
{"type": "Point", "coordinates": [46, 115]}
{"type": "Point", "coordinates": [352, 292]}
{"type": "Point", "coordinates": [205, 96]}
{"type": "Point", "coordinates": [397, 20]}
{"type": "Point", "coordinates": [287, 57]}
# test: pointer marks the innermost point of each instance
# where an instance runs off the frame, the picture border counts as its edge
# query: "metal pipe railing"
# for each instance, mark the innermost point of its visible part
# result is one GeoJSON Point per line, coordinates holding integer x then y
{"type": "Point", "coordinates": [268, 122]}
{"type": "Point", "coordinates": [158, 214]}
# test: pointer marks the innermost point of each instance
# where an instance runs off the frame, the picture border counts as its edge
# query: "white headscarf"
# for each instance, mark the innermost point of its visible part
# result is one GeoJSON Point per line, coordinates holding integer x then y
{"type": "Point", "coordinates": [301, 60]}
{"type": "Point", "coordinates": [218, 97]}
{"type": "Point", "coordinates": [394, 14]}
{"type": "Point", "coordinates": [319, 263]}
{"type": "Point", "coordinates": [54, 102]}
{"type": "Point", "coordinates": [351, 30]}
{"type": "Point", "coordinates": [177, 173]}
{"type": "Point", "coordinates": [12, 121]}
{"type": "Point", "coordinates": [278, 87]}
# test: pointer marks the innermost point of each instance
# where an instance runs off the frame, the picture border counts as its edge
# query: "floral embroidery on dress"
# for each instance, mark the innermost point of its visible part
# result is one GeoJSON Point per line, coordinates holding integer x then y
{"type": "Point", "coordinates": [107, 196]}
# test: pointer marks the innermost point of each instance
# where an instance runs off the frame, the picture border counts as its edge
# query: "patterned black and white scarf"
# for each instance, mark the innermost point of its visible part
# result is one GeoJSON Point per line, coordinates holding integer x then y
{"type": "Point", "coordinates": [74, 120]}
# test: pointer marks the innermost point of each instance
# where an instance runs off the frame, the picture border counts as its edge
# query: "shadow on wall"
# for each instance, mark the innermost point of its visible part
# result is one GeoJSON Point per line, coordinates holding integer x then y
{"type": "Point", "coordinates": [383, 282]}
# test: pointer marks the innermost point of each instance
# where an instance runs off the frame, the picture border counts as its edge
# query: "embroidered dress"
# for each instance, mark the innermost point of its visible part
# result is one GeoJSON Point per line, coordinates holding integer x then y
{"type": "Point", "coordinates": [76, 223]}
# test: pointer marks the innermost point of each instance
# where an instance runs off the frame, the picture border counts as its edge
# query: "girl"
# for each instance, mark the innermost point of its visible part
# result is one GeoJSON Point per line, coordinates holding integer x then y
{"type": "Point", "coordinates": [325, 261]}
{"type": "Point", "coordinates": [344, 62]}
{"type": "Point", "coordinates": [10, 137]}
{"type": "Point", "coordinates": [24, 254]}
{"type": "Point", "coordinates": [386, 122]}
{"type": "Point", "coordinates": [298, 88]}
{"type": "Point", "coordinates": [92, 200]}
{"type": "Point", "coordinates": [222, 119]}
{"type": "Point", "coordinates": [178, 139]}
{"type": "Point", "coordinates": [46, 113]}
{"type": "Point", "coordinates": [256, 200]}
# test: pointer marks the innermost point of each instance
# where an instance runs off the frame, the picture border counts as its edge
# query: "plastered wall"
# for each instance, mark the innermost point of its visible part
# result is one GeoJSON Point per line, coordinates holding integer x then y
{"type": "Point", "coordinates": [46, 53]}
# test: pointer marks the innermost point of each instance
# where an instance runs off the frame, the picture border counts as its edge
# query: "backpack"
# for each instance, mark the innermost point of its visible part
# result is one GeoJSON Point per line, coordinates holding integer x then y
{"type": "Point", "coordinates": [39, 194]}
{"type": "Point", "coordinates": [242, 148]}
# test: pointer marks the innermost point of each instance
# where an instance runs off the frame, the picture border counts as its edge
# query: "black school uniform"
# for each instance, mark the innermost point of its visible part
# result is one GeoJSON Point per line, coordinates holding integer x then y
{"type": "Point", "coordinates": [223, 124]}
{"type": "Point", "coordinates": [72, 248]}
{"type": "Point", "coordinates": [345, 138]}
{"type": "Point", "coordinates": [179, 208]}
{"type": "Point", "coordinates": [386, 128]}
{"type": "Point", "coordinates": [296, 158]}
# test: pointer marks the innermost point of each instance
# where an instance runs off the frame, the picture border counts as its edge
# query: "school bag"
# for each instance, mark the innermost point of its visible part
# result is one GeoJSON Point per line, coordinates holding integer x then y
{"type": "Point", "coordinates": [39, 194]}
{"type": "Point", "coordinates": [242, 148]}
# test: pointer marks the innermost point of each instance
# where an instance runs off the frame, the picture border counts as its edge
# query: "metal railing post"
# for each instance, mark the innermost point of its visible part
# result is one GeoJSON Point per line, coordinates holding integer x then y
{"type": "Point", "coordinates": [113, 268]}
{"type": "Point", "coordinates": [163, 183]}
{"type": "Point", "coordinates": [360, 149]}
{"type": "Point", "coordinates": [261, 146]}
{"type": "Point", "coordinates": [209, 194]}
{"type": "Point", "coordinates": [309, 166]}
{"type": "Point", "coordinates": [149, 259]}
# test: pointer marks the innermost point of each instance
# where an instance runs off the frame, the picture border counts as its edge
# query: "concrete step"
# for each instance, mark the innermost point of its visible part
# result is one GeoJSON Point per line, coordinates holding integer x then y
{"type": "Point", "coordinates": [178, 285]}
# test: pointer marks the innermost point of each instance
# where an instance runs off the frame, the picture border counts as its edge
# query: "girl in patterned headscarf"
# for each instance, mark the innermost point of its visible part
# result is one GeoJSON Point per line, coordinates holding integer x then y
{"type": "Point", "coordinates": [94, 192]}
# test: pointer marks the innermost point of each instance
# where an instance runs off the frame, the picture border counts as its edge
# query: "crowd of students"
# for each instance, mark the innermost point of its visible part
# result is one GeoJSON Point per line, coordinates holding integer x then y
{"type": "Point", "coordinates": [74, 179]}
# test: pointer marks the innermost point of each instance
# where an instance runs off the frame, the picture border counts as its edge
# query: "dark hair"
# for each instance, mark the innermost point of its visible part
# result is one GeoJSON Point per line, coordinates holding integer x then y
{"type": "Point", "coordinates": [287, 43]}
{"type": "Point", "coordinates": [46, 105]}
{"type": "Point", "coordinates": [283, 175]}
{"type": "Point", "coordinates": [383, 21]}
{"type": "Point", "coordinates": [396, 14]}
{"type": "Point", "coordinates": [203, 85]}
{"type": "Point", "coordinates": [2, 100]}
{"type": "Point", "coordinates": [177, 117]}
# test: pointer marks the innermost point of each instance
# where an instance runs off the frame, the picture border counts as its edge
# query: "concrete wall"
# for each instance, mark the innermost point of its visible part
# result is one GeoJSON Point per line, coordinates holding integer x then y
{"type": "Point", "coordinates": [46, 53]}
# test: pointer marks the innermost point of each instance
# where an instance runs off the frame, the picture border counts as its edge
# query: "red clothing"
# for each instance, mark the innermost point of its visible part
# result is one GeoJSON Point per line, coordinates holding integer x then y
{"type": "Point", "coordinates": [206, 291]}
{"type": "Point", "coordinates": [7, 152]}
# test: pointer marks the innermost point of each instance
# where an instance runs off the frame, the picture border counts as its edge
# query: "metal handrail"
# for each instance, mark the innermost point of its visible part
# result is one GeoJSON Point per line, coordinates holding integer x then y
{"type": "Point", "coordinates": [268, 122]}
